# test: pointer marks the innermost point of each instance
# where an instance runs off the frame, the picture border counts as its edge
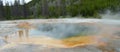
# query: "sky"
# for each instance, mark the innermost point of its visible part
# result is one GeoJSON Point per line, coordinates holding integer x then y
{"type": "Point", "coordinates": [4, 1]}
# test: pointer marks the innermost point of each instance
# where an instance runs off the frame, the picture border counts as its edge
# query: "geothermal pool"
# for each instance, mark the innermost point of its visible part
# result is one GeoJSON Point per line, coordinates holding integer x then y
{"type": "Point", "coordinates": [60, 35]}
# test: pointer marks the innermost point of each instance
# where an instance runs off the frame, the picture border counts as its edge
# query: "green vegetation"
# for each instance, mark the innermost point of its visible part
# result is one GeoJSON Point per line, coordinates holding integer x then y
{"type": "Point", "coordinates": [56, 8]}
{"type": "Point", "coordinates": [85, 8]}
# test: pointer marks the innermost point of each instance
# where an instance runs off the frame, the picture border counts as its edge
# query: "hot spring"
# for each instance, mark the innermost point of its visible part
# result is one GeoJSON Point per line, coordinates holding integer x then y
{"type": "Point", "coordinates": [59, 33]}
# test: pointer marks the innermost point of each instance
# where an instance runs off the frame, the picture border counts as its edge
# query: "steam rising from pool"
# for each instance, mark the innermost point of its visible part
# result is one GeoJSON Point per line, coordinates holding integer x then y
{"type": "Point", "coordinates": [64, 30]}
{"type": "Point", "coordinates": [105, 31]}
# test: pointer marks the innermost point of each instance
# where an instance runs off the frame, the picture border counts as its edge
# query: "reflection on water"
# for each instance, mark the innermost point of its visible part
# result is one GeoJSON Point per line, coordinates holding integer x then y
{"type": "Point", "coordinates": [20, 34]}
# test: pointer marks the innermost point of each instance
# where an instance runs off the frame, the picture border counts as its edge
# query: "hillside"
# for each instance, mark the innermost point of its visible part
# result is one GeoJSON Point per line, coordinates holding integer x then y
{"type": "Point", "coordinates": [84, 8]}
{"type": "Point", "coordinates": [58, 9]}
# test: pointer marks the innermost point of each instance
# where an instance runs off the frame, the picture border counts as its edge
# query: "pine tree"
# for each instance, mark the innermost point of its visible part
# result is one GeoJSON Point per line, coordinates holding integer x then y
{"type": "Point", "coordinates": [25, 10]}
{"type": "Point", "coordinates": [16, 12]}
{"type": "Point", "coordinates": [1, 10]}
{"type": "Point", "coordinates": [45, 10]}
{"type": "Point", "coordinates": [7, 11]}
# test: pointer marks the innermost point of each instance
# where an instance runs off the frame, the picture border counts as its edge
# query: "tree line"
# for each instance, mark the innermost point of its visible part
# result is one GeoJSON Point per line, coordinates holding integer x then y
{"type": "Point", "coordinates": [85, 8]}
{"type": "Point", "coordinates": [14, 10]}
{"type": "Point", "coordinates": [57, 8]}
